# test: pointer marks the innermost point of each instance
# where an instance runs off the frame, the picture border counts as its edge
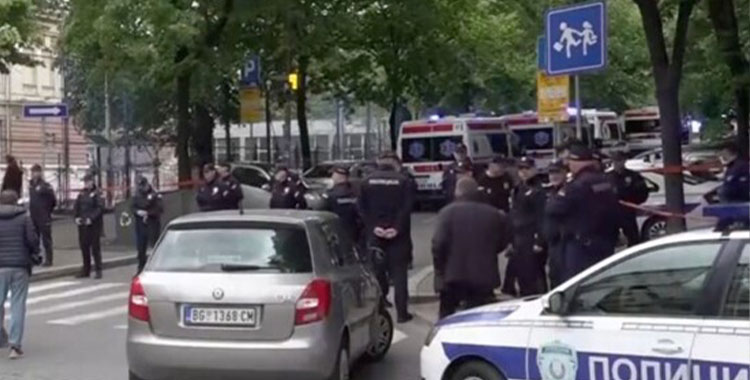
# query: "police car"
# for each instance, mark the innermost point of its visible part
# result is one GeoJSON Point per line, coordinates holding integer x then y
{"type": "Point", "coordinates": [674, 308]}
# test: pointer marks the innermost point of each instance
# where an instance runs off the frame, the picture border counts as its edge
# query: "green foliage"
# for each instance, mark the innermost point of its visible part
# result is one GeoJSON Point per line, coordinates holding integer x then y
{"type": "Point", "coordinates": [17, 33]}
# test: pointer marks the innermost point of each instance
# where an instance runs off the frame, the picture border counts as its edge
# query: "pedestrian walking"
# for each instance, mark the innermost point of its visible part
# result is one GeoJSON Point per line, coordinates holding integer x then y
{"type": "Point", "coordinates": [630, 187]}
{"type": "Point", "coordinates": [588, 208]}
{"type": "Point", "coordinates": [232, 195]}
{"type": "Point", "coordinates": [460, 166]}
{"type": "Point", "coordinates": [496, 184]}
{"type": "Point", "coordinates": [147, 210]}
{"type": "Point", "coordinates": [287, 192]}
{"type": "Point", "coordinates": [342, 201]}
{"type": "Point", "coordinates": [13, 178]}
{"type": "Point", "coordinates": [210, 195]}
{"type": "Point", "coordinates": [469, 236]}
{"type": "Point", "coordinates": [42, 202]}
{"type": "Point", "coordinates": [553, 226]}
{"type": "Point", "coordinates": [528, 254]}
{"type": "Point", "coordinates": [88, 212]}
{"type": "Point", "coordinates": [19, 251]}
{"type": "Point", "coordinates": [385, 202]}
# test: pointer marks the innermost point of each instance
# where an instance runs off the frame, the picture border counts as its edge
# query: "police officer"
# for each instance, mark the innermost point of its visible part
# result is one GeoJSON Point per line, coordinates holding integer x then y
{"type": "Point", "coordinates": [147, 210]}
{"type": "Point", "coordinates": [88, 211]}
{"type": "Point", "coordinates": [553, 226]}
{"type": "Point", "coordinates": [342, 201]}
{"type": "Point", "coordinates": [232, 195]}
{"type": "Point", "coordinates": [496, 184]}
{"type": "Point", "coordinates": [210, 195]}
{"type": "Point", "coordinates": [588, 208]}
{"type": "Point", "coordinates": [528, 255]}
{"type": "Point", "coordinates": [41, 203]}
{"type": "Point", "coordinates": [287, 192]}
{"type": "Point", "coordinates": [630, 187]}
{"type": "Point", "coordinates": [385, 202]}
{"type": "Point", "coordinates": [735, 185]}
{"type": "Point", "coordinates": [461, 165]}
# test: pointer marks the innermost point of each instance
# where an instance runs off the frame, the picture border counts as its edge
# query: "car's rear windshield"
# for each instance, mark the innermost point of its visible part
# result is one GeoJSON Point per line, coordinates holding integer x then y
{"type": "Point", "coordinates": [233, 247]}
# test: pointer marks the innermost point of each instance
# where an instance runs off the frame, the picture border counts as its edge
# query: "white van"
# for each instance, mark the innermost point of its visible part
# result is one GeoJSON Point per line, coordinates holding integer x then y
{"type": "Point", "coordinates": [426, 146]}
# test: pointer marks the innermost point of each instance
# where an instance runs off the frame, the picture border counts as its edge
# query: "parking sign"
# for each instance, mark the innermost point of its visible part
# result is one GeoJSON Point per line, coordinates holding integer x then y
{"type": "Point", "coordinates": [576, 38]}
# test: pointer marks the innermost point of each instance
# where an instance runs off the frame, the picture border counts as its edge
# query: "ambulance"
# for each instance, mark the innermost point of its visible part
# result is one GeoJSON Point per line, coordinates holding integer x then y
{"type": "Point", "coordinates": [642, 129]}
{"type": "Point", "coordinates": [426, 147]}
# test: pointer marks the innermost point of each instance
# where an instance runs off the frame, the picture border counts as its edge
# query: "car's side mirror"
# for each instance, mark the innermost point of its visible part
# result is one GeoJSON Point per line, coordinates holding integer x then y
{"type": "Point", "coordinates": [554, 303]}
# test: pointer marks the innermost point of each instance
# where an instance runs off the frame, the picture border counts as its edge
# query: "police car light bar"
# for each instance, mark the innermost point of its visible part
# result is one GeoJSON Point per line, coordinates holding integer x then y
{"type": "Point", "coordinates": [729, 214]}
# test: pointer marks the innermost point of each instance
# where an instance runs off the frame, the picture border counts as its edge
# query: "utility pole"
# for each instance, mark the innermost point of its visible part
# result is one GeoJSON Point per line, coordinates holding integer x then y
{"type": "Point", "coordinates": [108, 133]}
{"type": "Point", "coordinates": [268, 122]}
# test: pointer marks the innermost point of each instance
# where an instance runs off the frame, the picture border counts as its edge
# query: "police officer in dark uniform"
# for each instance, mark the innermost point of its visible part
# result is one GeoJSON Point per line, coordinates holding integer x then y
{"type": "Point", "coordinates": [588, 208]}
{"type": "Point", "coordinates": [461, 165]}
{"type": "Point", "coordinates": [385, 202]}
{"type": "Point", "coordinates": [41, 203]}
{"type": "Point", "coordinates": [630, 187]}
{"type": "Point", "coordinates": [496, 184]}
{"type": "Point", "coordinates": [210, 195]}
{"type": "Point", "coordinates": [232, 195]}
{"type": "Point", "coordinates": [88, 211]}
{"type": "Point", "coordinates": [735, 185]}
{"type": "Point", "coordinates": [286, 191]}
{"type": "Point", "coordinates": [342, 201]}
{"type": "Point", "coordinates": [528, 255]}
{"type": "Point", "coordinates": [553, 226]}
{"type": "Point", "coordinates": [147, 210]}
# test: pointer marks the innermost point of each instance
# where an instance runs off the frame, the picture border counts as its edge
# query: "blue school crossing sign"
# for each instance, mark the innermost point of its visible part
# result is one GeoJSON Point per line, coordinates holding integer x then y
{"type": "Point", "coordinates": [576, 38]}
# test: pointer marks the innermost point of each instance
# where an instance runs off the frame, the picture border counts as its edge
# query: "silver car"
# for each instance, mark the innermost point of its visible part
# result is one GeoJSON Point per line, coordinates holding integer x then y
{"type": "Point", "coordinates": [271, 294]}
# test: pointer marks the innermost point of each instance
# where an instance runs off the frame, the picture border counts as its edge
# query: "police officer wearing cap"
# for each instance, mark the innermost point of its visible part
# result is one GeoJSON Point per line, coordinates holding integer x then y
{"type": "Point", "coordinates": [342, 201]}
{"type": "Point", "coordinates": [385, 203]}
{"type": "Point", "coordinates": [496, 184]}
{"type": "Point", "coordinates": [461, 165]}
{"type": "Point", "coordinates": [528, 255]}
{"type": "Point", "coordinates": [286, 191]}
{"type": "Point", "coordinates": [630, 187]}
{"type": "Point", "coordinates": [553, 226]}
{"type": "Point", "coordinates": [87, 212]}
{"type": "Point", "coordinates": [210, 195]}
{"type": "Point", "coordinates": [588, 208]}
{"type": "Point", "coordinates": [232, 190]}
{"type": "Point", "coordinates": [147, 210]}
{"type": "Point", "coordinates": [735, 186]}
{"type": "Point", "coordinates": [41, 203]}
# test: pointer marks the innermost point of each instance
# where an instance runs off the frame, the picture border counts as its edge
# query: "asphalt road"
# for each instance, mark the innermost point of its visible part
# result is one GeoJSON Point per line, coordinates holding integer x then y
{"type": "Point", "coordinates": [75, 329]}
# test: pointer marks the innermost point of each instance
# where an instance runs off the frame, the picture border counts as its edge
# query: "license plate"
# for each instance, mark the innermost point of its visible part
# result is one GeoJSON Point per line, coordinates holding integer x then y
{"type": "Point", "coordinates": [220, 316]}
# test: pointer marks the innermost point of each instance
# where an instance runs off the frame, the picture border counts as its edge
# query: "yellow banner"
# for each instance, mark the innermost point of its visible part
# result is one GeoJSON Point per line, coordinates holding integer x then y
{"type": "Point", "coordinates": [251, 105]}
{"type": "Point", "coordinates": [553, 97]}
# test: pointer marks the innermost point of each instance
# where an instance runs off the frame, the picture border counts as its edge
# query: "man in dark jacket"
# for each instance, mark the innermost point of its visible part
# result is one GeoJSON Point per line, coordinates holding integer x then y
{"type": "Point", "coordinates": [385, 202]}
{"type": "Point", "coordinates": [232, 195]}
{"type": "Point", "coordinates": [528, 256]}
{"type": "Point", "coordinates": [495, 184]}
{"type": "Point", "coordinates": [342, 201]}
{"type": "Point", "coordinates": [286, 191]}
{"type": "Point", "coordinates": [88, 211]}
{"type": "Point", "coordinates": [210, 195]}
{"type": "Point", "coordinates": [19, 251]}
{"type": "Point", "coordinates": [461, 165]}
{"type": "Point", "coordinates": [13, 178]}
{"type": "Point", "coordinates": [147, 210]}
{"type": "Point", "coordinates": [468, 237]}
{"type": "Point", "coordinates": [41, 203]}
{"type": "Point", "coordinates": [553, 226]}
{"type": "Point", "coordinates": [735, 185]}
{"type": "Point", "coordinates": [630, 187]}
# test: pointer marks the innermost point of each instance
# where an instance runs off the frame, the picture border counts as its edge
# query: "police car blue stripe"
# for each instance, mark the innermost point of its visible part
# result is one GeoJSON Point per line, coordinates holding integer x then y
{"type": "Point", "coordinates": [483, 316]}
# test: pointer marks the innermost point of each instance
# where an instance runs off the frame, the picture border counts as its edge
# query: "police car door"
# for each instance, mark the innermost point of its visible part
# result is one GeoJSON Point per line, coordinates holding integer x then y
{"type": "Point", "coordinates": [632, 320]}
{"type": "Point", "coordinates": [722, 345]}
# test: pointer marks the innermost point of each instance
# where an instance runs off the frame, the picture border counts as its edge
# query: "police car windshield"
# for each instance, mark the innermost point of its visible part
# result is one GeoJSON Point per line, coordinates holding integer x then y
{"type": "Point", "coordinates": [427, 149]}
{"type": "Point", "coordinates": [226, 248]}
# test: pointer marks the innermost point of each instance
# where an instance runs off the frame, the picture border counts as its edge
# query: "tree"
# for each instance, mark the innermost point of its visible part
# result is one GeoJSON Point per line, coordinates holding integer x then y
{"type": "Point", "coordinates": [17, 33]}
{"type": "Point", "coordinates": [667, 71]}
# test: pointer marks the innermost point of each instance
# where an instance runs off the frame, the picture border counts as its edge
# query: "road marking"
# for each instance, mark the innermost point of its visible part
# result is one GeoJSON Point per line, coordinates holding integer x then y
{"type": "Point", "coordinates": [121, 327]}
{"type": "Point", "coordinates": [72, 305]}
{"type": "Point", "coordinates": [397, 336]}
{"type": "Point", "coordinates": [54, 285]}
{"type": "Point", "coordinates": [72, 321]}
{"type": "Point", "coordinates": [72, 293]}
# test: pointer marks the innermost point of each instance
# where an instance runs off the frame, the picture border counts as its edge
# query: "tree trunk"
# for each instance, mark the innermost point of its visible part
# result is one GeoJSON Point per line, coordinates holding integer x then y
{"type": "Point", "coordinates": [183, 129]}
{"type": "Point", "coordinates": [669, 108]}
{"type": "Point", "coordinates": [226, 119]}
{"type": "Point", "coordinates": [393, 123]}
{"type": "Point", "coordinates": [203, 134]}
{"type": "Point", "coordinates": [724, 20]}
{"type": "Point", "coordinates": [304, 135]}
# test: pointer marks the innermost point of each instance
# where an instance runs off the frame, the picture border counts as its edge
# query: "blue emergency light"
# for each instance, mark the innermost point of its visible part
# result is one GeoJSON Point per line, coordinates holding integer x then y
{"type": "Point", "coordinates": [729, 214]}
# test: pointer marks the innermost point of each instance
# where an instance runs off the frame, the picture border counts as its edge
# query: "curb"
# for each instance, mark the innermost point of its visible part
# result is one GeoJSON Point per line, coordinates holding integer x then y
{"type": "Point", "coordinates": [71, 270]}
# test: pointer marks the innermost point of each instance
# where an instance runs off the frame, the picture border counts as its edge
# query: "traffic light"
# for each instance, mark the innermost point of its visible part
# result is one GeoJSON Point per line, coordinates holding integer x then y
{"type": "Point", "coordinates": [293, 84]}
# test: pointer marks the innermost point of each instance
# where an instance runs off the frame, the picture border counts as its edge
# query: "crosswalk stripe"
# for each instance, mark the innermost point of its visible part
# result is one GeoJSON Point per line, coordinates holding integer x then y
{"type": "Point", "coordinates": [55, 285]}
{"type": "Point", "coordinates": [72, 321]}
{"type": "Point", "coordinates": [397, 336]}
{"type": "Point", "coordinates": [72, 293]}
{"type": "Point", "coordinates": [75, 304]}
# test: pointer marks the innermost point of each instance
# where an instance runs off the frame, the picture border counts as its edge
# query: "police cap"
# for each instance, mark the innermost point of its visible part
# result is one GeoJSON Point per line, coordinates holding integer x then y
{"type": "Point", "coordinates": [526, 162]}
{"type": "Point", "coordinates": [460, 148]}
{"type": "Point", "coordinates": [36, 168]}
{"type": "Point", "coordinates": [580, 152]}
{"type": "Point", "coordinates": [556, 166]}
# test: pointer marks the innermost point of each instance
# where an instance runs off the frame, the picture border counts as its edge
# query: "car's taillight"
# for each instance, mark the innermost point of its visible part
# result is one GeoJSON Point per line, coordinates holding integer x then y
{"type": "Point", "coordinates": [314, 303]}
{"type": "Point", "coordinates": [138, 303]}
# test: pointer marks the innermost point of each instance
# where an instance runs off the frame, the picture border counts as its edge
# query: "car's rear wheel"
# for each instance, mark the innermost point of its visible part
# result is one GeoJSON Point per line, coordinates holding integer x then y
{"type": "Point", "coordinates": [653, 228]}
{"type": "Point", "coordinates": [476, 370]}
{"type": "Point", "coordinates": [341, 370]}
{"type": "Point", "coordinates": [382, 336]}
